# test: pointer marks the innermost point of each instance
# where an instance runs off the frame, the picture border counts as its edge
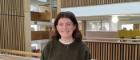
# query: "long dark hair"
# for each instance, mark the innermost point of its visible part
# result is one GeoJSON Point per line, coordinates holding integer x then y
{"type": "Point", "coordinates": [76, 33]}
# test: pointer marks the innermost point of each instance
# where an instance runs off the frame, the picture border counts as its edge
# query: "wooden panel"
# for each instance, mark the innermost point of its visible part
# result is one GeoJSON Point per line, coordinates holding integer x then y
{"type": "Point", "coordinates": [38, 16]}
{"type": "Point", "coordinates": [12, 24]}
{"type": "Point", "coordinates": [38, 35]}
{"type": "Point", "coordinates": [35, 15]}
{"type": "Point", "coordinates": [113, 51]}
{"type": "Point", "coordinates": [76, 3]}
{"type": "Point", "coordinates": [45, 16]}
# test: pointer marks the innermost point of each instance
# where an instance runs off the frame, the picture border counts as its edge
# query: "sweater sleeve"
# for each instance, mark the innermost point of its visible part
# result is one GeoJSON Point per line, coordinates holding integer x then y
{"type": "Point", "coordinates": [43, 55]}
{"type": "Point", "coordinates": [45, 52]}
{"type": "Point", "coordinates": [86, 53]}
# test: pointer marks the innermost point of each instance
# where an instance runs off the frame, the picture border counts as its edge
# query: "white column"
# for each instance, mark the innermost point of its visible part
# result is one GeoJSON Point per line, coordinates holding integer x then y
{"type": "Point", "coordinates": [27, 28]}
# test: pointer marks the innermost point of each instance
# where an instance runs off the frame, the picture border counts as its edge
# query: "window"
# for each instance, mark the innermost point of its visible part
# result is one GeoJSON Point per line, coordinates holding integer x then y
{"type": "Point", "coordinates": [97, 26]}
{"type": "Point", "coordinates": [127, 26]}
{"type": "Point", "coordinates": [43, 0]}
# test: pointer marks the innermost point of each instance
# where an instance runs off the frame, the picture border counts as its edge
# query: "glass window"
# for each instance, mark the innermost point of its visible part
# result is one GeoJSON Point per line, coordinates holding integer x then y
{"type": "Point", "coordinates": [43, 0]}
{"type": "Point", "coordinates": [97, 26]}
{"type": "Point", "coordinates": [127, 26]}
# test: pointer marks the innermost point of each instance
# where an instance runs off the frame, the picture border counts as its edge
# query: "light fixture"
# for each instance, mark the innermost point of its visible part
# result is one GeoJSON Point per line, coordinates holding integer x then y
{"type": "Point", "coordinates": [115, 18]}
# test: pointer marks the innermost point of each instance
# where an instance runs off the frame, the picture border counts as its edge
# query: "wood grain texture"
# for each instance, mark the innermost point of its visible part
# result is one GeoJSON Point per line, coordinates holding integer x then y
{"type": "Point", "coordinates": [12, 25]}
{"type": "Point", "coordinates": [79, 3]}
{"type": "Point", "coordinates": [113, 51]}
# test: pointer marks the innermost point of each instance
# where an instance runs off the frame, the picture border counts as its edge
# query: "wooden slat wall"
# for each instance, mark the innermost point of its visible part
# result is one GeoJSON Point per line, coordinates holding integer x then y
{"type": "Point", "coordinates": [114, 51]}
{"type": "Point", "coordinates": [12, 25]}
{"type": "Point", "coordinates": [76, 3]}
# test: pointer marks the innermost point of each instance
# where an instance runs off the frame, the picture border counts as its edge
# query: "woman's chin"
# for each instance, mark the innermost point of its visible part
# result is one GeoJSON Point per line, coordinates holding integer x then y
{"type": "Point", "coordinates": [65, 36]}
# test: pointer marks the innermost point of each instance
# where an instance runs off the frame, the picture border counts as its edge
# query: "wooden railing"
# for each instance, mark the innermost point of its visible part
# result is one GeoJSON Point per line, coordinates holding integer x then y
{"type": "Point", "coordinates": [40, 16]}
{"type": "Point", "coordinates": [78, 3]}
{"type": "Point", "coordinates": [100, 49]}
{"type": "Point", "coordinates": [38, 35]}
{"type": "Point", "coordinates": [19, 53]}
{"type": "Point", "coordinates": [114, 49]}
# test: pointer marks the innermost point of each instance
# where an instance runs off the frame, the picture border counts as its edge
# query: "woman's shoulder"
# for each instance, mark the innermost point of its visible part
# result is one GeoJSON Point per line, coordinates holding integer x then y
{"type": "Point", "coordinates": [49, 44]}
{"type": "Point", "coordinates": [82, 43]}
{"type": "Point", "coordinates": [83, 46]}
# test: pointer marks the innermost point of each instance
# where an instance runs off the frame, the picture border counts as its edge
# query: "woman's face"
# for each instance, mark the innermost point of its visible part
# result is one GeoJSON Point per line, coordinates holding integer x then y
{"type": "Point", "coordinates": [65, 27]}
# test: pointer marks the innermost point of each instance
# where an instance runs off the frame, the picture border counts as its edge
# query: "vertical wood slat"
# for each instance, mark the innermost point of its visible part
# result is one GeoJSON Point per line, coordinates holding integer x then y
{"type": "Point", "coordinates": [74, 3]}
{"type": "Point", "coordinates": [101, 50]}
{"type": "Point", "coordinates": [127, 50]}
{"type": "Point", "coordinates": [136, 53]}
{"type": "Point", "coordinates": [5, 18]}
{"type": "Point", "coordinates": [8, 28]}
{"type": "Point", "coordinates": [109, 47]}
{"type": "Point", "coordinates": [105, 52]}
{"type": "Point", "coordinates": [13, 18]}
{"type": "Point", "coordinates": [119, 52]}
{"type": "Point", "coordinates": [0, 23]}
{"type": "Point", "coordinates": [81, 2]}
{"type": "Point", "coordinates": [10, 20]}
{"type": "Point", "coordinates": [3, 21]}
{"type": "Point", "coordinates": [113, 52]}
{"type": "Point", "coordinates": [88, 2]}
{"type": "Point", "coordinates": [8, 23]}
{"type": "Point", "coordinates": [18, 18]}
{"type": "Point", "coordinates": [0, 7]}
{"type": "Point", "coordinates": [3, 6]}
{"type": "Point", "coordinates": [77, 3]}
{"type": "Point", "coordinates": [62, 4]}
{"type": "Point", "coordinates": [130, 54]}
{"type": "Point", "coordinates": [5, 26]}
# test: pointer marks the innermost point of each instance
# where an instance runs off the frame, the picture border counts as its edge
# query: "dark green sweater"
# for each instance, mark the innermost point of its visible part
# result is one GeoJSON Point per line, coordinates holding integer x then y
{"type": "Point", "coordinates": [55, 50]}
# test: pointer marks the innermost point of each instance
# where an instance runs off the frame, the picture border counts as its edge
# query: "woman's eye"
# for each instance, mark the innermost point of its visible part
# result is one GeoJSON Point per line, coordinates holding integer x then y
{"type": "Point", "coordinates": [68, 24]}
{"type": "Point", "coordinates": [60, 24]}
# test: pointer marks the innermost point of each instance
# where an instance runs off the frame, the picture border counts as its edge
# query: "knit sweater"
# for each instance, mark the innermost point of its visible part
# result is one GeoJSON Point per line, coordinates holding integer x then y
{"type": "Point", "coordinates": [55, 50]}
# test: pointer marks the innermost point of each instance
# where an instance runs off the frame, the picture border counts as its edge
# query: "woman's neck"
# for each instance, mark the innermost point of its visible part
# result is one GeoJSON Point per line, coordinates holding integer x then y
{"type": "Point", "coordinates": [66, 40]}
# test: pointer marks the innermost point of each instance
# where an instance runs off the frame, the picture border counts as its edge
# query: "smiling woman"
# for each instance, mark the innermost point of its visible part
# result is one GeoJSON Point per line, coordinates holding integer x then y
{"type": "Point", "coordinates": [66, 43]}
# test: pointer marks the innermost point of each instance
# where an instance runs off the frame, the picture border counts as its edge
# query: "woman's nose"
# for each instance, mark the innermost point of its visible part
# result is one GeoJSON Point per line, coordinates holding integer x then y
{"type": "Point", "coordinates": [65, 26]}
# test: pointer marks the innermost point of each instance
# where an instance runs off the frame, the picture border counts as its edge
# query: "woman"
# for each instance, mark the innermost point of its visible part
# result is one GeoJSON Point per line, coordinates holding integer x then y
{"type": "Point", "coordinates": [66, 43]}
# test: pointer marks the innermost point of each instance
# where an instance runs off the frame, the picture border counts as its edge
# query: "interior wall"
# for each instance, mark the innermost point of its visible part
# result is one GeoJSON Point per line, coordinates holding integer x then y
{"type": "Point", "coordinates": [12, 25]}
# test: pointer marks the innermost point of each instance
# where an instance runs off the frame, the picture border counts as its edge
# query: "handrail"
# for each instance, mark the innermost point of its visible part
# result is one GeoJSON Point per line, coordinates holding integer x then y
{"type": "Point", "coordinates": [99, 38]}
{"type": "Point", "coordinates": [20, 52]}
{"type": "Point", "coordinates": [113, 40]}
